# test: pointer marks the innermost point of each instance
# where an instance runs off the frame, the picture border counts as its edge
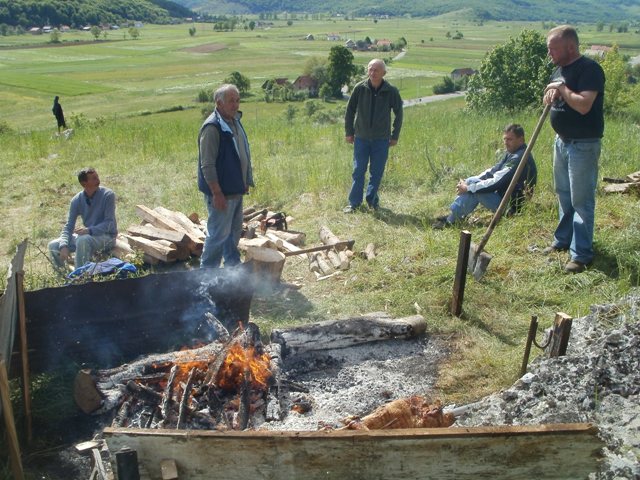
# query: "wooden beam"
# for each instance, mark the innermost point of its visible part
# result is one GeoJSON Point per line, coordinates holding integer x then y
{"type": "Point", "coordinates": [12, 436]}
{"type": "Point", "coordinates": [478, 453]}
{"type": "Point", "coordinates": [24, 356]}
{"type": "Point", "coordinates": [560, 335]}
{"type": "Point", "coordinates": [460, 279]}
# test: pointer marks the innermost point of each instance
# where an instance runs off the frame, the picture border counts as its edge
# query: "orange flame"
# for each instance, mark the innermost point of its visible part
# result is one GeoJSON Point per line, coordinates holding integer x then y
{"type": "Point", "coordinates": [240, 360]}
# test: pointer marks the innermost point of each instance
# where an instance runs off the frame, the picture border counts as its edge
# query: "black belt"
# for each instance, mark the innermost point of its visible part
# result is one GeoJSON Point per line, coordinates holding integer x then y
{"type": "Point", "coordinates": [579, 140]}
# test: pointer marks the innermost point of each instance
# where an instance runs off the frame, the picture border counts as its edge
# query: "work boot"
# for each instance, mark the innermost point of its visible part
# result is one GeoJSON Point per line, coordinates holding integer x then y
{"type": "Point", "coordinates": [574, 266]}
{"type": "Point", "coordinates": [440, 223]}
{"type": "Point", "coordinates": [349, 209]}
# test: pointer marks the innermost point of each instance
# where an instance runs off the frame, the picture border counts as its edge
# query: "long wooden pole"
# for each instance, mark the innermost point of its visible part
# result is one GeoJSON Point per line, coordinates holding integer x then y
{"type": "Point", "coordinates": [12, 436]}
{"type": "Point", "coordinates": [26, 375]}
{"type": "Point", "coordinates": [461, 268]}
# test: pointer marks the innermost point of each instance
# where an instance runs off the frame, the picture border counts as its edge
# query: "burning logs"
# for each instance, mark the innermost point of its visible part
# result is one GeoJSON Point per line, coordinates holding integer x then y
{"type": "Point", "coordinates": [347, 332]}
{"type": "Point", "coordinates": [218, 386]}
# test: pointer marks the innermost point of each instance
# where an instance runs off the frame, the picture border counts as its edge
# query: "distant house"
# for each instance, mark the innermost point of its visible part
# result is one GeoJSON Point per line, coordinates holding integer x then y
{"type": "Point", "coordinates": [282, 81]}
{"type": "Point", "coordinates": [458, 73]}
{"type": "Point", "coordinates": [65, 28]}
{"type": "Point", "coordinates": [383, 43]}
{"type": "Point", "coordinates": [597, 51]}
{"type": "Point", "coordinates": [350, 44]}
{"type": "Point", "coordinates": [35, 31]}
{"type": "Point", "coordinates": [333, 37]}
{"type": "Point", "coordinates": [137, 24]}
{"type": "Point", "coordinates": [309, 37]}
{"type": "Point", "coordinates": [306, 82]}
{"type": "Point", "coordinates": [47, 29]}
{"type": "Point", "coordinates": [87, 28]}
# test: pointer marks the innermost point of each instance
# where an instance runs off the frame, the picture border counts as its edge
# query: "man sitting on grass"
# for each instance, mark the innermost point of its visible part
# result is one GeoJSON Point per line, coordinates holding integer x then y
{"type": "Point", "coordinates": [488, 188]}
{"type": "Point", "coordinates": [96, 206]}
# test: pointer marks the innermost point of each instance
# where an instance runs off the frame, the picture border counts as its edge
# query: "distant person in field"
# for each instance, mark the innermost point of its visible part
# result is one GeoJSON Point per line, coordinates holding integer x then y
{"type": "Point", "coordinates": [59, 114]}
{"type": "Point", "coordinates": [488, 188]}
{"type": "Point", "coordinates": [224, 177]}
{"type": "Point", "coordinates": [576, 96]}
{"type": "Point", "coordinates": [96, 206]}
{"type": "Point", "coordinates": [368, 127]}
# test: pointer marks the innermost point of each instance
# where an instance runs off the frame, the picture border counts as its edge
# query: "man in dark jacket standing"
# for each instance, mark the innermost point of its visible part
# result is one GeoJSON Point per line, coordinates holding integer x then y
{"type": "Point", "coordinates": [224, 176]}
{"type": "Point", "coordinates": [488, 188]}
{"type": "Point", "coordinates": [58, 113]}
{"type": "Point", "coordinates": [576, 96]}
{"type": "Point", "coordinates": [368, 127]}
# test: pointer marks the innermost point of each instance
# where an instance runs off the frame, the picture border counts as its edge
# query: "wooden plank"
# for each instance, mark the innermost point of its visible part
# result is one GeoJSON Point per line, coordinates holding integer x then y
{"type": "Point", "coordinates": [558, 451]}
{"type": "Point", "coordinates": [342, 245]}
{"type": "Point", "coordinates": [24, 355]}
{"type": "Point", "coordinates": [12, 436]}
{"type": "Point", "coordinates": [560, 335]}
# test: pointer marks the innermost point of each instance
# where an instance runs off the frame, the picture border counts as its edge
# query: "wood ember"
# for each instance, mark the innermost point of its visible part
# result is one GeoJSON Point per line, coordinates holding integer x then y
{"type": "Point", "coordinates": [412, 412]}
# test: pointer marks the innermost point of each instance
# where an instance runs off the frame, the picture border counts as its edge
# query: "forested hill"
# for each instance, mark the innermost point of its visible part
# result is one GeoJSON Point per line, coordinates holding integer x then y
{"type": "Point", "coordinates": [77, 13]}
{"type": "Point", "coordinates": [543, 10]}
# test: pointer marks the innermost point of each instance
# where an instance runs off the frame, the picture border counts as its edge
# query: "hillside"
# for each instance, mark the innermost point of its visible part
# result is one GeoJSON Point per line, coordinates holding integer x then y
{"type": "Point", "coordinates": [531, 10]}
{"type": "Point", "coordinates": [78, 13]}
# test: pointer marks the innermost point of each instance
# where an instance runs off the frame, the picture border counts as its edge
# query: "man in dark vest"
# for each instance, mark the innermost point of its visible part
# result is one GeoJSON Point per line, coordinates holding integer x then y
{"type": "Point", "coordinates": [576, 96]}
{"type": "Point", "coordinates": [224, 177]}
{"type": "Point", "coordinates": [59, 114]}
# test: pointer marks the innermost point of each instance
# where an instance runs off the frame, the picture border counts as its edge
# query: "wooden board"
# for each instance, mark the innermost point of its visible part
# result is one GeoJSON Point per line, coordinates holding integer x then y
{"type": "Point", "coordinates": [557, 451]}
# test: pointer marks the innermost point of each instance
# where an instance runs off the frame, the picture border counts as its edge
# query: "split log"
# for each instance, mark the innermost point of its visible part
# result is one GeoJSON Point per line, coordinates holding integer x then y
{"type": "Point", "coordinates": [155, 233]}
{"type": "Point", "coordinates": [282, 244]}
{"type": "Point", "coordinates": [166, 397]}
{"type": "Point", "coordinates": [259, 242]}
{"type": "Point", "coordinates": [153, 248]}
{"type": "Point", "coordinates": [634, 177]}
{"type": "Point", "coordinates": [182, 252]}
{"type": "Point", "coordinates": [347, 332]}
{"type": "Point", "coordinates": [622, 188]}
{"type": "Point", "coordinates": [161, 221]}
{"type": "Point", "coordinates": [182, 220]}
{"type": "Point", "coordinates": [193, 216]}
{"type": "Point", "coordinates": [277, 397]}
{"type": "Point", "coordinates": [184, 402]}
{"type": "Point", "coordinates": [295, 238]}
{"type": "Point", "coordinates": [122, 249]}
{"type": "Point", "coordinates": [248, 211]}
{"type": "Point", "coordinates": [266, 262]}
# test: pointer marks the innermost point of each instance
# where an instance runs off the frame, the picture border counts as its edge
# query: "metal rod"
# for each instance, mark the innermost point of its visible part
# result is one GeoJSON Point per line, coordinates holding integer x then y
{"type": "Point", "coordinates": [533, 328]}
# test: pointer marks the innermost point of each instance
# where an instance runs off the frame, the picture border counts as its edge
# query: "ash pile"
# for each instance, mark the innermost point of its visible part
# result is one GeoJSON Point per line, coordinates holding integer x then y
{"type": "Point", "coordinates": [598, 381]}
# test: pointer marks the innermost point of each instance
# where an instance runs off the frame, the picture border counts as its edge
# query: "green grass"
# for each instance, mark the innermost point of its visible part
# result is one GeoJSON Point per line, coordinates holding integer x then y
{"type": "Point", "coordinates": [304, 169]}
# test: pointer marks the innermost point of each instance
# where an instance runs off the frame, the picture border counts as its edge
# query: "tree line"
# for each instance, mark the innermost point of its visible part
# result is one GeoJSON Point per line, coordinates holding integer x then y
{"type": "Point", "coordinates": [78, 13]}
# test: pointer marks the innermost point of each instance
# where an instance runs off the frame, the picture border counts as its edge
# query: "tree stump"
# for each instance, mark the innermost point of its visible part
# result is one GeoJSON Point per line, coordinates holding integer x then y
{"type": "Point", "coordinates": [266, 262]}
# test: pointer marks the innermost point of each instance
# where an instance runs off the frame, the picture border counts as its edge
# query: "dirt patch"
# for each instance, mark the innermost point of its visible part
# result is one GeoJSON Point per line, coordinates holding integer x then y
{"type": "Point", "coordinates": [207, 48]}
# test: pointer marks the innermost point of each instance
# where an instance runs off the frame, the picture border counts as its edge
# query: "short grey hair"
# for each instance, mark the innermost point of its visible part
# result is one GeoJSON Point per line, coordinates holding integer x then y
{"type": "Point", "coordinates": [380, 61]}
{"type": "Point", "coordinates": [221, 93]}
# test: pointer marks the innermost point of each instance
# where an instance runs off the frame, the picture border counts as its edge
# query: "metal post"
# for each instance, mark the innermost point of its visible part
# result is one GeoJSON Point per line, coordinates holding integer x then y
{"type": "Point", "coordinates": [533, 328]}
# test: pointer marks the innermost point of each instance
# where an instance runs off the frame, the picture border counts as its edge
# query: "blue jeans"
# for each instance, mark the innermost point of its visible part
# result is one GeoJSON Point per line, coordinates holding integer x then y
{"type": "Point", "coordinates": [224, 228]}
{"type": "Point", "coordinates": [575, 174]}
{"type": "Point", "coordinates": [466, 203]}
{"type": "Point", "coordinates": [84, 246]}
{"type": "Point", "coordinates": [372, 154]}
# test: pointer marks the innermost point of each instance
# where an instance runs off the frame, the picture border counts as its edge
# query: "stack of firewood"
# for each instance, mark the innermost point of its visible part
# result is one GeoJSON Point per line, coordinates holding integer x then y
{"type": "Point", "coordinates": [164, 236]}
{"type": "Point", "coordinates": [628, 184]}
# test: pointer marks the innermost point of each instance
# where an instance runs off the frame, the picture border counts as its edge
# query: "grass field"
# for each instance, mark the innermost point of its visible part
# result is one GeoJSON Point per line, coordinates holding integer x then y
{"type": "Point", "coordinates": [304, 169]}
